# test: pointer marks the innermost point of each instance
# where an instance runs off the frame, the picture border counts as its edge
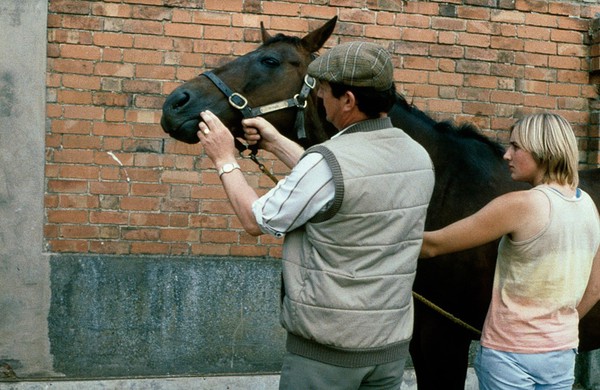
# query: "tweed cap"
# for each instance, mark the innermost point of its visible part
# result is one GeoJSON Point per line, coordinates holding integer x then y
{"type": "Point", "coordinates": [358, 64]}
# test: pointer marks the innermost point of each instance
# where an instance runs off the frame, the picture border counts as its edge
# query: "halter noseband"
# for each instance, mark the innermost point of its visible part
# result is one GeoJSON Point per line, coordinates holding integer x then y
{"type": "Point", "coordinates": [239, 102]}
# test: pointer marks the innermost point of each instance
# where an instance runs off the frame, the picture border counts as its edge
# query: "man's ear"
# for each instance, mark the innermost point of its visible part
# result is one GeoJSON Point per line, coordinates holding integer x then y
{"type": "Point", "coordinates": [349, 101]}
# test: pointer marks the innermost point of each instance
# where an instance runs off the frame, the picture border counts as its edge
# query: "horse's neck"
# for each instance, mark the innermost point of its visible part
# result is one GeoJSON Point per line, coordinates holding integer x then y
{"type": "Point", "coordinates": [316, 123]}
{"type": "Point", "coordinates": [417, 125]}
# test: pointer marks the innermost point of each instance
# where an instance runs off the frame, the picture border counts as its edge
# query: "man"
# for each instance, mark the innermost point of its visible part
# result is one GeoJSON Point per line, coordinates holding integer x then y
{"type": "Point", "coordinates": [352, 211]}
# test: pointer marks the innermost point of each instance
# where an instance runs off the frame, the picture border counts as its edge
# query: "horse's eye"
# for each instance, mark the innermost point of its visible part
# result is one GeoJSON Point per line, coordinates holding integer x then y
{"type": "Point", "coordinates": [270, 62]}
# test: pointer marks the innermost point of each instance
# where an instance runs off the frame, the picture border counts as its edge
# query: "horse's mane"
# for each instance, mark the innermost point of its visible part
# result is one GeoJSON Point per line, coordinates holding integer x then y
{"type": "Point", "coordinates": [282, 38]}
{"type": "Point", "coordinates": [464, 131]}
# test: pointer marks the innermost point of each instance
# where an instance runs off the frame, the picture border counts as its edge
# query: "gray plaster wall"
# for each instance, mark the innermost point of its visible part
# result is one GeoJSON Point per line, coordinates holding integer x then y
{"type": "Point", "coordinates": [24, 269]}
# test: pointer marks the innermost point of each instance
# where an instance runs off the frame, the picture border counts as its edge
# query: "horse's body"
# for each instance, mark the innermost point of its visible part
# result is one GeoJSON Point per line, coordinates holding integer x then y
{"type": "Point", "coordinates": [469, 173]}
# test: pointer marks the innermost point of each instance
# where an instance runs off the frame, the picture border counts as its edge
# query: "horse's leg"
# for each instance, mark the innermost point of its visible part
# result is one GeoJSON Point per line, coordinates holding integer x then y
{"type": "Point", "coordinates": [439, 350]}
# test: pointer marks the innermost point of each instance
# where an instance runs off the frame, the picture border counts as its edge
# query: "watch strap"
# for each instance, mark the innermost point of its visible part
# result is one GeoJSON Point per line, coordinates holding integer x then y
{"type": "Point", "coordinates": [228, 167]}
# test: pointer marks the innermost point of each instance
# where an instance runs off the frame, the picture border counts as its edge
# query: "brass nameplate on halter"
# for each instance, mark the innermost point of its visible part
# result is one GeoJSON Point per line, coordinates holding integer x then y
{"type": "Point", "coordinates": [273, 107]}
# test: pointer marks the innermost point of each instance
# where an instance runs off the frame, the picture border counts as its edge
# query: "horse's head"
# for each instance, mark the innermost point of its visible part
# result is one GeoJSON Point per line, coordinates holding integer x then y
{"type": "Point", "coordinates": [275, 72]}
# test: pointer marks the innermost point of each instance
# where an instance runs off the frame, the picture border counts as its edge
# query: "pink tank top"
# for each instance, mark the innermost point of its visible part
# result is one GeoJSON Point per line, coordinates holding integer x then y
{"type": "Point", "coordinates": [539, 282]}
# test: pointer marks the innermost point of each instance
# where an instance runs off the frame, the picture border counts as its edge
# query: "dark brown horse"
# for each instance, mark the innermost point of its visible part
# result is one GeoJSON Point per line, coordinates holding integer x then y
{"type": "Point", "coordinates": [470, 172]}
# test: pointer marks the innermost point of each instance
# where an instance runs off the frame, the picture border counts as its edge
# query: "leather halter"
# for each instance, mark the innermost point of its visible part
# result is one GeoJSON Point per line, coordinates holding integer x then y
{"type": "Point", "coordinates": [239, 102]}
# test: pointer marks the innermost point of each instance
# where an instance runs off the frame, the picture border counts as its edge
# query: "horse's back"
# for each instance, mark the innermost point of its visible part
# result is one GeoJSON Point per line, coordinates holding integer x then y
{"type": "Point", "coordinates": [589, 330]}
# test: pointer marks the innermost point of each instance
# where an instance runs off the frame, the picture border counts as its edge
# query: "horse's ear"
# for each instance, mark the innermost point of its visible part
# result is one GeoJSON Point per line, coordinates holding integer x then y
{"type": "Point", "coordinates": [316, 39]}
{"type": "Point", "coordinates": [265, 35]}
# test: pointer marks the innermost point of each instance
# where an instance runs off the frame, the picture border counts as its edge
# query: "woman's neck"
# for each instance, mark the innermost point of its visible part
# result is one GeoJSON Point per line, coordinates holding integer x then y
{"type": "Point", "coordinates": [564, 189]}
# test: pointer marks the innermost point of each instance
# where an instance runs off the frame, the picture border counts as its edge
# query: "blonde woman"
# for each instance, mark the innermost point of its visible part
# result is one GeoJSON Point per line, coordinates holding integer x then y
{"type": "Point", "coordinates": [549, 244]}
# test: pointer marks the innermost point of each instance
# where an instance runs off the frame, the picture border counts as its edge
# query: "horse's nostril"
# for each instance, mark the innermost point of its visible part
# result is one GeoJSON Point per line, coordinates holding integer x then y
{"type": "Point", "coordinates": [181, 100]}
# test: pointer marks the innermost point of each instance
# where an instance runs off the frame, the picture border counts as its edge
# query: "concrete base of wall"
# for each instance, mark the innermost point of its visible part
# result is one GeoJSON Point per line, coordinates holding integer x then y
{"type": "Point", "coordinates": [245, 382]}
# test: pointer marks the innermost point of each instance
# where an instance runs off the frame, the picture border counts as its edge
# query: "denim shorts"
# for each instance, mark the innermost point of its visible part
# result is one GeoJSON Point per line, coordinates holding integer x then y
{"type": "Point", "coordinates": [497, 370]}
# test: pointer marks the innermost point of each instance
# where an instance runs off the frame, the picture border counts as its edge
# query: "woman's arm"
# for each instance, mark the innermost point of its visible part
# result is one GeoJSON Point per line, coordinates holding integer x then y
{"type": "Point", "coordinates": [592, 292]}
{"type": "Point", "coordinates": [508, 214]}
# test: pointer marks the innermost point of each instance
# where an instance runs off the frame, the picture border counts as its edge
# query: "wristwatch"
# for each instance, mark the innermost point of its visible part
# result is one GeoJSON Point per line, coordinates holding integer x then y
{"type": "Point", "coordinates": [228, 167]}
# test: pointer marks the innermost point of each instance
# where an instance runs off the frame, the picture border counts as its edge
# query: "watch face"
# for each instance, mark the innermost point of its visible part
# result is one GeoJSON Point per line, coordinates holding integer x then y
{"type": "Point", "coordinates": [226, 168]}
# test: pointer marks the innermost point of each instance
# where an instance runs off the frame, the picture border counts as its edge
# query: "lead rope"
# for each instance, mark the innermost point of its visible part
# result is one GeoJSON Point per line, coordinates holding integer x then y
{"type": "Point", "coordinates": [444, 313]}
{"type": "Point", "coordinates": [262, 168]}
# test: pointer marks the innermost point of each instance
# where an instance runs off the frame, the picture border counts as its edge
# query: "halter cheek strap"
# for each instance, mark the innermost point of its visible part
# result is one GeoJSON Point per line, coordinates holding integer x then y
{"type": "Point", "coordinates": [239, 102]}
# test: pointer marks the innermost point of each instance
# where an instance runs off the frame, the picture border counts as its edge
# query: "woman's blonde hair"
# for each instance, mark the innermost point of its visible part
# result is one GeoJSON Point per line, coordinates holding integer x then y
{"type": "Point", "coordinates": [551, 141]}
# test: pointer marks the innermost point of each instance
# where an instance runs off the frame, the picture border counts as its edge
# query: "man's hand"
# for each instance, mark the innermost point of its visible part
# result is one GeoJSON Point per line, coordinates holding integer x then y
{"type": "Point", "coordinates": [259, 131]}
{"type": "Point", "coordinates": [216, 139]}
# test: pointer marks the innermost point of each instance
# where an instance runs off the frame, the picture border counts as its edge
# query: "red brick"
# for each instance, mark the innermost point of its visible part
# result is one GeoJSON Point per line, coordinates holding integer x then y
{"type": "Point", "coordinates": [249, 250]}
{"type": "Point", "coordinates": [561, 62]}
{"type": "Point", "coordinates": [182, 235]}
{"type": "Point", "coordinates": [150, 247]}
{"type": "Point", "coordinates": [567, 36]}
{"type": "Point", "coordinates": [143, 27]}
{"type": "Point", "coordinates": [108, 217]}
{"type": "Point", "coordinates": [140, 203]}
{"type": "Point", "coordinates": [571, 76]}
{"type": "Point", "coordinates": [506, 97]}
{"type": "Point", "coordinates": [183, 30]}
{"type": "Point", "coordinates": [532, 32]}
{"type": "Point", "coordinates": [114, 129]}
{"type": "Point", "coordinates": [382, 32]}
{"type": "Point", "coordinates": [114, 69]}
{"type": "Point", "coordinates": [80, 246]}
{"type": "Point", "coordinates": [541, 102]}
{"type": "Point", "coordinates": [74, 97]}
{"type": "Point", "coordinates": [80, 52]}
{"type": "Point", "coordinates": [535, 19]}
{"type": "Point", "coordinates": [141, 234]}
{"type": "Point", "coordinates": [70, 6]}
{"type": "Point", "coordinates": [111, 99]}
{"type": "Point", "coordinates": [276, 8]}
{"type": "Point", "coordinates": [113, 39]}
{"type": "Point", "coordinates": [444, 106]}
{"type": "Point", "coordinates": [106, 188]}
{"type": "Point", "coordinates": [67, 216]}
{"type": "Point", "coordinates": [419, 35]}
{"type": "Point", "coordinates": [179, 205]}
{"type": "Point", "coordinates": [220, 5]}
{"type": "Point", "coordinates": [69, 201]}
{"type": "Point", "coordinates": [113, 10]}
{"type": "Point", "coordinates": [503, 16]}
{"type": "Point", "coordinates": [454, 24]}
{"type": "Point", "coordinates": [67, 186]}
{"type": "Point", "coordinates": [109, 247]}
{"type": "Point", "coordinates": [540, 47]}
{"type": "Point", "coordinates": [210, 249]}
{"type": "Point", "coordinates": [82, 22]}
{"type": "Point", "coordinates": [76, 231]}
{"type": "Point", "coordinates": [478, 40]}
{"type": "Point", "coordinates": [220, 236]}
{"type": "Point", "coordinates": [149, 219]}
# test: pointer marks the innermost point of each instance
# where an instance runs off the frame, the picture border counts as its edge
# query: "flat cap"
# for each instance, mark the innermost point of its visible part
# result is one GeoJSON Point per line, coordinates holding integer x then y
{"type": "Point", "coordinates": [358, 64]}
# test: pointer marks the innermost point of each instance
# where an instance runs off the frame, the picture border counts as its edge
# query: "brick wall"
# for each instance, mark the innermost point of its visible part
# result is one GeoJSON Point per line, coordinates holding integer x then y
{"type": "Point", "coordinates": [117, 185]}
